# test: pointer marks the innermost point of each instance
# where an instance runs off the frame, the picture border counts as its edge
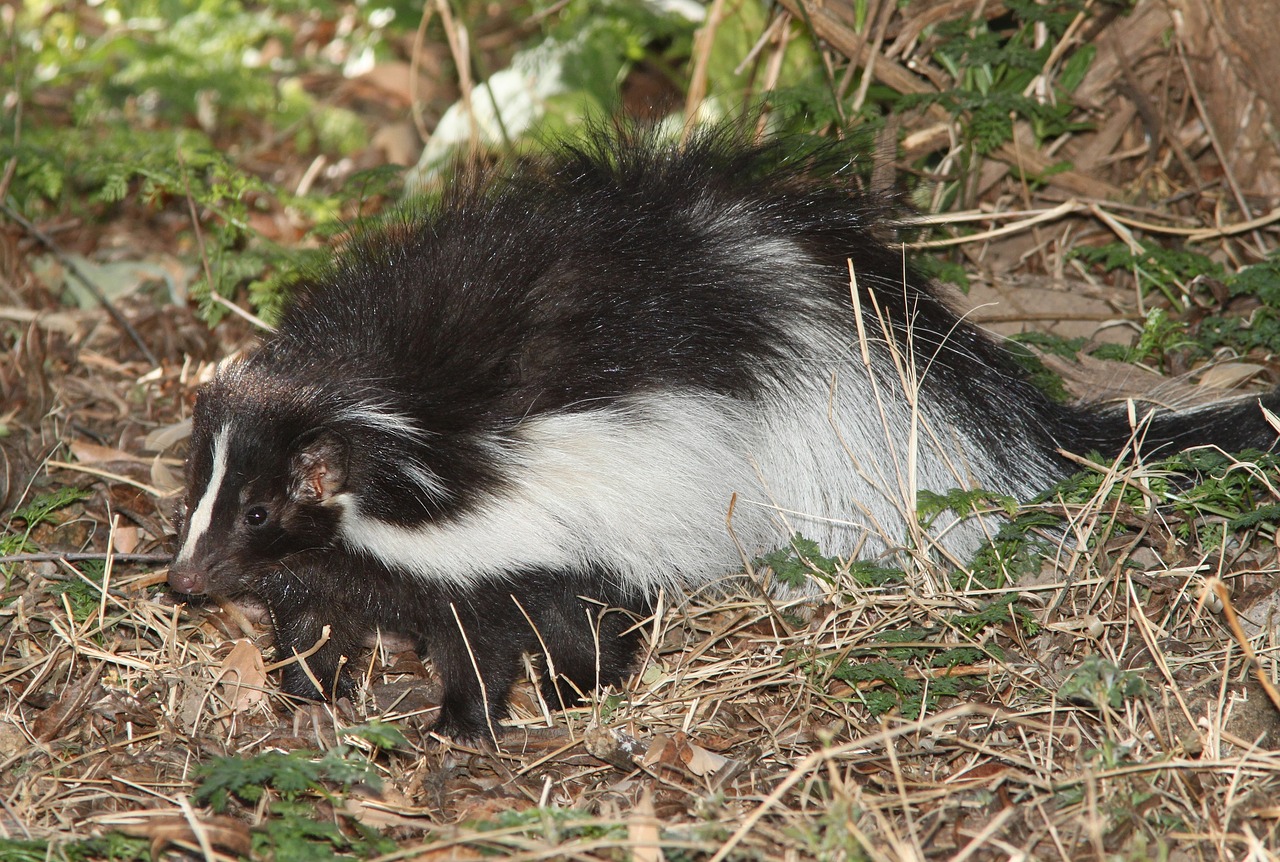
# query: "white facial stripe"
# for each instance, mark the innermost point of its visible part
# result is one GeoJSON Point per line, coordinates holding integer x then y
{"type": "Point", "coordinates": [202, 516]}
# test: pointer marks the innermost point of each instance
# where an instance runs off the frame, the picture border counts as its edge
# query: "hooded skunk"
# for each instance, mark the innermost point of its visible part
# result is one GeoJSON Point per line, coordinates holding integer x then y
{"type": "Point", "coordinates": [507, 425]}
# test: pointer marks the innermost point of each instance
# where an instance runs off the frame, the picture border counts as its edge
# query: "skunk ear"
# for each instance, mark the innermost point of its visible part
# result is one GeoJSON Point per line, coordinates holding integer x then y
{"type": "Point", "coordinates": [319, 469]}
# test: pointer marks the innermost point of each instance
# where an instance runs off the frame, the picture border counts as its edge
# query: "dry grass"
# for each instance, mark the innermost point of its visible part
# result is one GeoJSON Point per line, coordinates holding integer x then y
{"type": "Point", "coordinates": [1130, 720]}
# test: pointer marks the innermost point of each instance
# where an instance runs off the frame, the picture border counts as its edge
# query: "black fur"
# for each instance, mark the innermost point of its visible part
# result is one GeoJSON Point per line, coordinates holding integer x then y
{"type": "Point", "coordinates": [674, 308]}
{"type": "Point", "coordinates": [471, 635]}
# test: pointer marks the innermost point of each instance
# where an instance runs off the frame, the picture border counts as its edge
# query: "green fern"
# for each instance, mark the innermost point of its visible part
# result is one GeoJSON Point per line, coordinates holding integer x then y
{"type": "Point", "coordinates": [802, 559]}
{"type": "Point", "coordinates": [39, 511]}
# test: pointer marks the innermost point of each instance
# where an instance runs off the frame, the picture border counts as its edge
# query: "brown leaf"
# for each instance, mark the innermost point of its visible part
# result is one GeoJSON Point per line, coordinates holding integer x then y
{"type": "Point", "coordinates": [126, 539]}
{"type": "Point", "coordinates": [391, 810]}
{"type": "Point", "coordinates": [981, 772]}
{"type": "Point", "coordinates": [225, 832]}
{"type": "Point", "coordinates": [663, 750]}
{"type": "Point", "coordinates": [243, 675]}
{"type": "Point", "coordinates": [700, 761]}
{"type": "Point", "coordinates": [92, 453]}
{"type": "Point", "coordinates": [69, 708]}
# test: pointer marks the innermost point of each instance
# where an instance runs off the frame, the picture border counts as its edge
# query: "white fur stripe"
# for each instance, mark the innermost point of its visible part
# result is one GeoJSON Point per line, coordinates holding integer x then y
{"type": "Point", "coordinates": [382, 418]}
{"type": "Point", "coordinates": [202, 515]}
{"type": "Point", "coordinates": [426, 481]}
{"type": "Point", "coordinates": [645, 490]}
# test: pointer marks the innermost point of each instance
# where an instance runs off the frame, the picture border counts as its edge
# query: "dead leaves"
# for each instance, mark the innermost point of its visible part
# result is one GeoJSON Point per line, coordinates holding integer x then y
{"type": "Point", "coordinates": [193, 833]}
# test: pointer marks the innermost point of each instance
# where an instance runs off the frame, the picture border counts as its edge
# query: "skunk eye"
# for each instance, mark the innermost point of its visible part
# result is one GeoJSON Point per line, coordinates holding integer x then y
{"type": "Point", "coordinates": [256, 516]}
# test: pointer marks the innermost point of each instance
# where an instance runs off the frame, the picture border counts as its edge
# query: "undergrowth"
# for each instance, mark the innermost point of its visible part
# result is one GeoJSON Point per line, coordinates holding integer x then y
{"type": "Point", "coordinates": [283, 789]}
{"type": "Point", "coordinates": [108, 847]}
{"type": "Point", "coordinates": [154, 103]}
{"type": "Point", "coordinates": [1206, 498]}
{"type": "Point", "coordinates": [1193, 287]}
{"type": "Point", "coordinates": [992, 64]}
{"type": "Point", "coordinates": [25, 520]}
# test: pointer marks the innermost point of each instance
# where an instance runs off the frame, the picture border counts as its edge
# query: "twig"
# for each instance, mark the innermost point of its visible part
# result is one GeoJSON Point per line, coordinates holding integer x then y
{"type": "Point", "coordinates": [702, 43]}
{"type": "Point", "coordinates": [460, 49]}
{"type": "Point", "coordinates": [47, 242]}
{"type": "Point", "coordinates": [53, 556]}
{"type": "Point", "coordinates": [1067, 208]}
{"type": "Point", "coordinates": [105, 474]}
{"type": "Point", "coordinates": [415, 66]}
{"type": "Point", "coordinates": [240, 312]}
{"type": "Point", "coordinates": [1219, 589]}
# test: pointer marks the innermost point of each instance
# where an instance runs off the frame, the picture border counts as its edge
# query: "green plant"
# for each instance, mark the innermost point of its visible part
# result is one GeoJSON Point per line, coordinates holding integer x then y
{"type": "Point", "coordinates": [1156, 269]}
{"type": "Point", "coordinates": [289, 774]}
{"type": "Point", "coordinates": [1213, 488]}
{"type": "Point", "coordinates": [794, 564]}
{"type": "Point", "coordinates": [1098, 683]}
{"type": "Point", "coordinates": [109, 847]}
{"type": "Point", "coordinates": [892, 689]}
{"type": "Point", "coordinates": [553, 825]}
{"type": "Point", "coordinates": [1014, 552]}
{"type": "Point", "coordinates": [1190, 282]}
{"type": "Point", "coordinates": [826, 835]}
{"type": "Point", "coordinates": [910, 640]}
{"type": "Point", "coordinates": [285, 786]}
{"type": "Point", "coordinates": [1003, 610]}
{"type": "Point", "coordinates": [83, 596]}
{"type": "Point", "coordinates": [141, 103]}
{"type": "Point", "coordinates": [992, 64]}
{"type": "Point", "coordinates": [880, 671]}
{"type": "Point", "coordinates": [39, 511]}
{"type": "Point", "coordinates": [1202, 491]}
{"type": "Point", "coordinates": [1260, 329]}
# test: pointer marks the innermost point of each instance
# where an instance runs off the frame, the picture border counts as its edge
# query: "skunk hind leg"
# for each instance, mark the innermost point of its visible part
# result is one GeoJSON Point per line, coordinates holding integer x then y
{"type": "Point", "coordinates": [602, 653]}
{"type": "Point", "coordinates": [586, 635]}
{"type": "Point", "coordinates": [586, 643]}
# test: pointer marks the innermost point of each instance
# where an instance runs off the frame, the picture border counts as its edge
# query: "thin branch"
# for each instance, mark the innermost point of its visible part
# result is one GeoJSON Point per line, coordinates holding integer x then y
{"type": "Point", "coordinates": [47, 242]}
{"type": "Point", "coordinates": [54, 556]}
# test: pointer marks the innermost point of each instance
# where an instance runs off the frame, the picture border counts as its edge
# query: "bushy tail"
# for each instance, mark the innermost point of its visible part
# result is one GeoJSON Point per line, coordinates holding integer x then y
{"type": "Point", "coordinates": [1232, 426]}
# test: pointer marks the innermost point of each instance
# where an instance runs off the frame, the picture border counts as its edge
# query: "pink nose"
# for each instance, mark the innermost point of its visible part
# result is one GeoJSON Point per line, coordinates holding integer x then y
{"type": "Point", "coordinates": [185, 580]}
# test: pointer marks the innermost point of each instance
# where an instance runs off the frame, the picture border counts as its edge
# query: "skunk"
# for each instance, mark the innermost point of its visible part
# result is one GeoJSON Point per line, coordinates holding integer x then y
{"type": "Point", "coordinates": [508, 424]}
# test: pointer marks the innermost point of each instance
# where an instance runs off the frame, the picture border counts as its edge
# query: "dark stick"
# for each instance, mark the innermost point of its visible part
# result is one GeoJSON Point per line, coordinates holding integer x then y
{"type": "Point", "coordinates": [111, 310]}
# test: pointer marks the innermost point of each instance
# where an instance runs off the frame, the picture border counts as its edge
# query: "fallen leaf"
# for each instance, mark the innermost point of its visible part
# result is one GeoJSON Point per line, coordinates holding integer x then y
{"type": "Point", "coordinates": [225, 832]}
{"type": "Point", "coordinates": [125, 539]}
{"type": "Point", "coordinates": [92, 453]}
{"type": "Point", "coordinates": [1230, 375]}
{"type": "Point", "coordinates": [167, 435]}
{"type": "Point", "coordinates": [68, 709]}
{"type": "Point", "coordinates": [12, 740]}
{"type": "Point", "coordinates": [700, 761]}
{"type": "Point", "coordinates": [390, 810]}
{"type": "Point", "coordinates": [164, 478]}
{"type": "Point", "coordinates": [243, 676]}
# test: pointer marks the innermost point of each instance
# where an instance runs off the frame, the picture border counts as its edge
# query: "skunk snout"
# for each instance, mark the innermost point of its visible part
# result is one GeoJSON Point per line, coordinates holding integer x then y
{"type": "Point", "coordinates": [188, 580]}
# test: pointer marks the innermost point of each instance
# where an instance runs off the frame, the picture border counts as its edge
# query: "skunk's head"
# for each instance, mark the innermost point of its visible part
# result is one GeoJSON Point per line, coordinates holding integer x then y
{"type": "Point", "coordinates": [273, 463]}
